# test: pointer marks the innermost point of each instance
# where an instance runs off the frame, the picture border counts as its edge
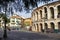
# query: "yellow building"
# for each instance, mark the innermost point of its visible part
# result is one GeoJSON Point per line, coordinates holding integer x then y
{"type": "Point", "coordinates": [46, 17]}
{"type": "Point", "coordinates": [27, 23]}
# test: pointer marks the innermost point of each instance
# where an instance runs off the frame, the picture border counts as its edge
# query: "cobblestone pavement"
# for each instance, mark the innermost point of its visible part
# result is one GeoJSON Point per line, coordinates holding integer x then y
{"type": "Point", "coordinates": [21, 35]}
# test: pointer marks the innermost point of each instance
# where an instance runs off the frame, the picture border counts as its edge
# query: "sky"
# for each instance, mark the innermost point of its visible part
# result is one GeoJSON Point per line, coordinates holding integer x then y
{"type": "Point", "coordinates": [28, 15]}
{"type": "Point", "coordinates": [24, 14]}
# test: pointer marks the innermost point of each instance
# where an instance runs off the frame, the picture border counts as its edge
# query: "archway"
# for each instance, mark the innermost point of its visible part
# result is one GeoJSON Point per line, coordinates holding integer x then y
{"type": "Point", "coordinates": [58, 25]}
{"type": "Point", "coordinates": [45, 11]}
{"type": "Point", "coordinates": [34, 27]}
{"type": "Point", "coordinates": [52, 12]}
{"type": "Point", "coordinates": [52, 26]}
{"type": "Point", "coordinates": [58, 8]}
{"type": "Point", "coordinates": [41, 27]}
{"type": "Point", "coordinates": [37, 28]}
{"type": "Point", "coordinates": [37, 15]}
{"type": "Point", "coordinates": [46, 26]}
{"type": "Point", "coordinates": [41, 14]}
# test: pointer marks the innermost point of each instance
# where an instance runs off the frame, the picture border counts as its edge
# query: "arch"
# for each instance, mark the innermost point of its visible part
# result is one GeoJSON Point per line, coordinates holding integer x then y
{"type": "Point", "coordinates": [58, 8]}
{"type": "Point", "coordinates": [52, 25]}
{"type": "Point", "coordinates": [37, 28]}
{"type": "Point", "coordinates": [34, 15]}
{"type": "Point", "coordinates": [46, 26]}
{"type": "Point", "coordinates": [34, 26]}
{"type": "Point", "coordinates": [52, 12]}
{"type": "Point", "coordinates": [41, 14]}
{"type": "Point", "coordinates": [58, 25]}
{"type": "Point", "coordinates": [45, 11]}
{"type": "Point", "coordinates": [37, 14]}
{"type": "Point", "coordinates": [41, 27]}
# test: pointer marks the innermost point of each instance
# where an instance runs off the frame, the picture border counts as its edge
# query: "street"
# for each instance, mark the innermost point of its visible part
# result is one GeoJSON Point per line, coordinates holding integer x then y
{"type": "Point", "coordinates": [22, 35]}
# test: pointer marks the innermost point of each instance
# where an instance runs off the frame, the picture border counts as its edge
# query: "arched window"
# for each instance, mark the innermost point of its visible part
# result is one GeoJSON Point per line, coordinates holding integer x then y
{"type": "Point", "coordinates": [37, 28]}
{"type": "Point", "coordinates": [33, 16]}
{"type": "Point", "coordinates": [45, 11]}
{"type": "Point", "coordinates": [52, 12]}
{"type": "Point", "coordinates": [41, 27]}
{"type": "Point", "coordinates": [59, 25]}
{"type": "Point", "coordinates": [46, 26]}
{"type": "Point", "coordinates": [52, 25]}
{"type": "Point", "coordinates": [41, 14]}
{"type": "Point", "coordinates": [58, 8]}
{"type": "Point", "coordinates": [37, 15]}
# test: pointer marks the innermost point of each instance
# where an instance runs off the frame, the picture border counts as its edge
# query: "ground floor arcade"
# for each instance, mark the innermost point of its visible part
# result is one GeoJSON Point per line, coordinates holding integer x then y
{"type": "Point", "coordinates": [50, 25]}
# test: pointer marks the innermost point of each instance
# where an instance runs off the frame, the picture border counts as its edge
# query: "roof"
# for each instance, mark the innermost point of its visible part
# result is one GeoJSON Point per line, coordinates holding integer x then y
{"type": "Point", "coordinates": [17, 16]}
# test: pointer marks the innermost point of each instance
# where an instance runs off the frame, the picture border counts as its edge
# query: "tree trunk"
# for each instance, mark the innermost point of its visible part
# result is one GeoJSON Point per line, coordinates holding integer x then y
{"type": "Point", "coordinates": [5, 31]}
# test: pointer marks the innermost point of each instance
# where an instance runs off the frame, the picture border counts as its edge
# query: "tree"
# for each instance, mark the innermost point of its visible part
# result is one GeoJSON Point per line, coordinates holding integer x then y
{"type": "Point", "coordinates": [4, 17]}
{"type": "Point", "coordinates": [5, 4]}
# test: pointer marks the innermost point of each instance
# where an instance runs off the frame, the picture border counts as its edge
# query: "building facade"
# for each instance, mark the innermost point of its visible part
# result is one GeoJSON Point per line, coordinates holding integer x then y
{"type": "Point", "coordinates": [16, 22]}
{"type": "Point", "coordinates": [1, 23]}
{"type": "Point", "coordinates": [46, 17]}
{"type": "Point", "coordinates": [27, 23]}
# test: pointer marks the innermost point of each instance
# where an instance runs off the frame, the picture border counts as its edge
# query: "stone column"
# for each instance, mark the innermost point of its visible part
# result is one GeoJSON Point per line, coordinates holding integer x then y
{"type": "Point", "coordinates": [35, 17]}
{"type": "Point", "coordinates": [39, 27]}
{"type": "Point", "coordinates": [43, 14]}
{"type": "Point", "coordinates": [43, 26]}
{"type": "Point", "coordinates": [38, 16]}
{"type": "Point", "coordinates": [36, 27]}
{"type": "Point", "coordinates": [48, 13]}
{"type": "Point", "coordinates": [49, 26]}
{"type": "Point", "coordinates": [55, 12]}
{"type": "Point", "coordinates": [32, 17]}
{"type": "Point", "coordinates": [56, 25]}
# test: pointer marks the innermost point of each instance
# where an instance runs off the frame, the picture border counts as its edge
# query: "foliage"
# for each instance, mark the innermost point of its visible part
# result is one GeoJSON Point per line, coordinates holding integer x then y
{"type": "Point", "coordinates": [4, 17]}
{"type": "Point", "coordinates": [5, 4]}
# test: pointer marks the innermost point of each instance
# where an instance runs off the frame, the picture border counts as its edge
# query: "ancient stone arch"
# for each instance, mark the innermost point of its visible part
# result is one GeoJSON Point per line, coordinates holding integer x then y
{"type": "Point", "coordinates": [52, 12]}
{"type": "Point", "coordinates": [58, 8]}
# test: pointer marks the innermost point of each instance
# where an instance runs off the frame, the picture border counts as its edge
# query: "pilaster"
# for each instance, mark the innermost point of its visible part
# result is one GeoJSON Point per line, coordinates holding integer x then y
{"type": "Point", "coordinates": [55, 12]}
